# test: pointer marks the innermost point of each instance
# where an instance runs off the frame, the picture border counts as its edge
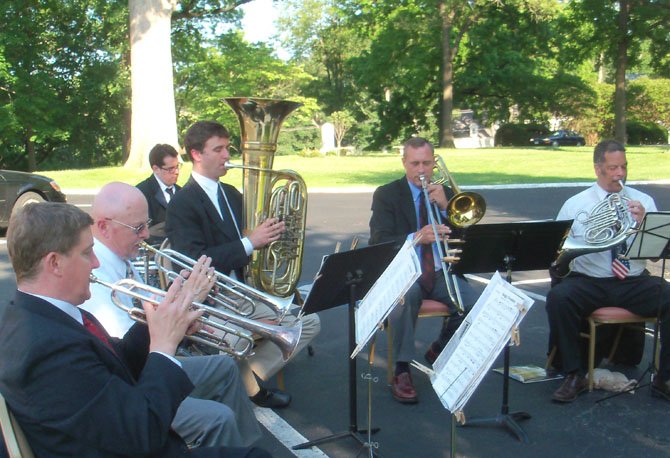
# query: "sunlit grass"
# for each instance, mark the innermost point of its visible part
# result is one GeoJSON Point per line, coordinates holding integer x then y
{"type": "Point", "coordinates": [468, 166]}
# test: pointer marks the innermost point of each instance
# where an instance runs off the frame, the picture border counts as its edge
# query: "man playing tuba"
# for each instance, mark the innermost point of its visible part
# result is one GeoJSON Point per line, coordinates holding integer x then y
{"type": "Point", "coordinates": [206, 217]}
{"type": "Point", "coordinates": [604, 278]}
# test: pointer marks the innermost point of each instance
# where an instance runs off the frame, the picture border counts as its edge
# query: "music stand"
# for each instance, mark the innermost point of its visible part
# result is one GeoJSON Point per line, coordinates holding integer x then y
{"type": "Point", "coordinates": [651, 241]}
{"type": "Point", "coordinates": [345, 278]}
{"type": "Point", "coordinates": [521, 246]}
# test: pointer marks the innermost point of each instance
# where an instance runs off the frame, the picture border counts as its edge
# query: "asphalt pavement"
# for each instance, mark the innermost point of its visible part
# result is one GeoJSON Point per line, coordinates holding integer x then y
{"type": "Point", "coordinates": [628, 425]}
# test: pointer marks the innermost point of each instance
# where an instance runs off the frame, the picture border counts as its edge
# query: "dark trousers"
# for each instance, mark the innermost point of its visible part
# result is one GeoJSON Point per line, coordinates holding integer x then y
{"type": "Point", "coordinates": [403, 317]}
{"type": "Point", "coordinates": [577, 296]}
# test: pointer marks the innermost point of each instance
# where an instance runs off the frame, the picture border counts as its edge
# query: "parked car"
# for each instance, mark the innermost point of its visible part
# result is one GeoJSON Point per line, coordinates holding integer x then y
{"type": "Point", "coordinates": [19, 188]}
{"type": "Point", "coordinates": [560, 138]}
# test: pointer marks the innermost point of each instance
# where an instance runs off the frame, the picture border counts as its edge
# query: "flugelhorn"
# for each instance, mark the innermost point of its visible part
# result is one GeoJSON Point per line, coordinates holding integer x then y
{"type": "Point", "coordinates": [267, 193]}
{"type": "Point", "coordinates": [608, 224]}
{"type": "Point", "coordinates": [229, 293]}
{"type": "Point", "coordinates": [236, 332]}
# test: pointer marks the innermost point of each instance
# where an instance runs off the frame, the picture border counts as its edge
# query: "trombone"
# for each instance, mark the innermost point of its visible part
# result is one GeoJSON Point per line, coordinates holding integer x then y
{"type": "Point", "coordinates": [236, 293]}
{"type": "Point", "coordinates": [463, 209]}
{"type": "Point", "coordinates": [285, 337]}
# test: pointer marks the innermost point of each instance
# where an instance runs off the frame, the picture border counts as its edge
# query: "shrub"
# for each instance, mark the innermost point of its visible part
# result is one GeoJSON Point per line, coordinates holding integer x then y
{"type": "Point", "coordinates": [518, 134]}
{"type": "Point", "coordinates": [645, 133]}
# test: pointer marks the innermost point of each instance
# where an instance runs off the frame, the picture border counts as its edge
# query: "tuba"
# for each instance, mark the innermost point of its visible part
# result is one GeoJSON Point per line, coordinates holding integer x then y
{"type": "Point", "coordinates": [270, 193]}
{"type": "Point", "coordinates": [607, 225]}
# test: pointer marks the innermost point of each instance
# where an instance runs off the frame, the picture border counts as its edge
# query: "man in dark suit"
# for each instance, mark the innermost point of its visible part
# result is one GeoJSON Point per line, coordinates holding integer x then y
{"type": "Point", "coordinates": [160, 187]}
{"type": "Point", "coordinates": [206, 217]}
{"type": "Point", "coordinates": [396, 216]}
{"type": "Point", "coordinates": [75, 390]}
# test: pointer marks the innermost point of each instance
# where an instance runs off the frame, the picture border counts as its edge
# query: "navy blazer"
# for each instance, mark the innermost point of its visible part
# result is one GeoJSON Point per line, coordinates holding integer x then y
{"type": "Point", "coordinates": [393, 213]}
{"type": "Point", "coordinates": [194, 228]}
{"type": "Point", "coordinates": [73, 396]}
{"type": "Point", "coordinates": [157, 204]}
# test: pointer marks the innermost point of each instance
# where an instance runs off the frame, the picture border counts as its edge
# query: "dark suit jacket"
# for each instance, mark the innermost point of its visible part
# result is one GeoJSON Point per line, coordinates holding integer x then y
{"type": "Point", "coordinates": [73, 396]}
{"type": "Point", "coordinates": [393, 214]}
{"type": "Point", "coordinates": [194, 228]}
{"type": "Point", "coordinates": [157, 205]}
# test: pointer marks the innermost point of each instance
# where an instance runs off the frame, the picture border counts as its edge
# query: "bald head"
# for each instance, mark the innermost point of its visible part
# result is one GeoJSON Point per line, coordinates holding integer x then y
{"type": "Point", "coordinates": [119, 209]}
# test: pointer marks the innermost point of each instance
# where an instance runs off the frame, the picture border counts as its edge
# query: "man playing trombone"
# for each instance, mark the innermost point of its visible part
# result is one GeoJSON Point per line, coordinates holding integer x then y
{"type": "Point", "coordinates": [74, 389]}
{"type": "Point", "coordinates": [205, 217]}
{"type": "Point", "coordinates": [217, 412]}
{"type": "Point", "coordinates": [398, 215]}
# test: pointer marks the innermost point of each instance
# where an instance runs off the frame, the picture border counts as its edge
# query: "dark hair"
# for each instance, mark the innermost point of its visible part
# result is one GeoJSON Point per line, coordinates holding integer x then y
{"type": "Point", "coordinates": [198, 134]}
{"type": "Point", "coordinates": [159, 152]}
{"type": "Point", "coordinates": [417, 142]}
{"type": "Point", "coordinates": [39, 229]}
{"type": "Point", "coordinates": [606, 146]}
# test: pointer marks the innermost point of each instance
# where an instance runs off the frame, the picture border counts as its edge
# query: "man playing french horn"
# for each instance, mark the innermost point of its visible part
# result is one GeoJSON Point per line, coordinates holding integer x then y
{"type": "Point", "coordinates": [603, 278]}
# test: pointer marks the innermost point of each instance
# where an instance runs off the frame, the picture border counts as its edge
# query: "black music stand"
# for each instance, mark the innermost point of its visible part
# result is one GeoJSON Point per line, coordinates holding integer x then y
{"type": "Point", "coordinates": [345, 278]}
{"type": "Point", "coordinates": [527, 245]}
{"type": "Point", "coordinates": [652, 241]}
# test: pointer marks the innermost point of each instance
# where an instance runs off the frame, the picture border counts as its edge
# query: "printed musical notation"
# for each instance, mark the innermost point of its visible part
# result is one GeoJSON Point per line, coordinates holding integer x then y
{"type": "Point", "coordinates": [483, 334]}
{"type": "Point", "coordinates": [391, 285]}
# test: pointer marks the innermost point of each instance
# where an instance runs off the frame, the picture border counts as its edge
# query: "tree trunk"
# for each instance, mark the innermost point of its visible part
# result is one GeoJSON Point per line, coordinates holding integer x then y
{"type": "Point", "coordinates": [447, 103]}
{"type": "Point", "coordinates": [154, 118]}
{"type": "Point", "coordinates": [620, 78]}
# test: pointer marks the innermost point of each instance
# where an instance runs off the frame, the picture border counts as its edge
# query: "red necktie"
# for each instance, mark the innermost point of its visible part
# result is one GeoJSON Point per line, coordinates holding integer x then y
{"type": "Point", "coordinates": [427, 279]}
{"type": "Point", "coordinates": [95, 329]}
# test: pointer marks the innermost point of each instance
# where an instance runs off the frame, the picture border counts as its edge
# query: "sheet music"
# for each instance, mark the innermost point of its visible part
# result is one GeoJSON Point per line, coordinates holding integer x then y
{"type": "Point", "coordinates": [653, 235]}
{"type": "Point", "coordinates": [391, 285]}
{"type": "Point", "coordinates": [483, 334]}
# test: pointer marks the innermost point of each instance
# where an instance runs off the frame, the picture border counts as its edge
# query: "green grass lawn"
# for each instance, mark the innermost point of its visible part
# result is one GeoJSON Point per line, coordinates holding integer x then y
{"type": "Point", "coordinates": [468, 166]}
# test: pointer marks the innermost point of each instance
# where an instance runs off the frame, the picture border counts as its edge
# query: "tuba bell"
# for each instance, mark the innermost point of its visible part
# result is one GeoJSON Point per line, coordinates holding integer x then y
{"type": "Point", "coordinates": [270, 193]}
{"type": "Point", "coordinates": [607, 225]}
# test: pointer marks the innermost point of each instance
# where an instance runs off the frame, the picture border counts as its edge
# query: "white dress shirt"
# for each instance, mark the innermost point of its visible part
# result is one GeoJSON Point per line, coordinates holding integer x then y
{"type": "Point", "coordinates": [211, 188]}
{"type": "Point", "coordinates": [599, 264]}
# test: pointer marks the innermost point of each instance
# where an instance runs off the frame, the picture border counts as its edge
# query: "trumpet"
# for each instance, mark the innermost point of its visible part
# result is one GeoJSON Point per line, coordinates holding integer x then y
{"type": "Point", "coordinates": [236, 342]}
{"type": "Point", "coordinates": [463, 209]}
{"type": "Point", "coordinates": [232, 294]}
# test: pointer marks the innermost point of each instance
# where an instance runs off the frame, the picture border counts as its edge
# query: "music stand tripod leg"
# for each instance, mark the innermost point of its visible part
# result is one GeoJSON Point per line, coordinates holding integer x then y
{"type": "Point", "coordinates": [353, 280]}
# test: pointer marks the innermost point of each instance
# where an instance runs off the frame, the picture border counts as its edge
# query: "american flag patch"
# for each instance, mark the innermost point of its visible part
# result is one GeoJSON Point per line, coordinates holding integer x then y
{"type": "Point", "coordinates": [620, 268]}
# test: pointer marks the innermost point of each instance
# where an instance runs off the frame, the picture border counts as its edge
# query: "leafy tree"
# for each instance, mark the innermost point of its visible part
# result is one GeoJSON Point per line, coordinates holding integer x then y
{"type": "Point", "coordinates": [343, 121]}
{"type": "Point", "coordinates": [618, 30]}
{"type": "Point", "coordinates": [153, 107]}
{"type": "Point", "coordinates": [650, 101]}
{"type": "Point", "coordinates": [62, 93]}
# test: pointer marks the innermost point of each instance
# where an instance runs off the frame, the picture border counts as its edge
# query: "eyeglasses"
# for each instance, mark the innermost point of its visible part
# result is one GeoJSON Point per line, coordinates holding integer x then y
{"type": "Point", "coordinates": [171, 169]}
{"type": "Point", "coordinates": [136, 229]}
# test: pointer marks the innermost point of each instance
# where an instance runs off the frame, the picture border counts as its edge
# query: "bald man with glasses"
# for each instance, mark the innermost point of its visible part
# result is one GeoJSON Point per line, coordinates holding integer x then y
{"type": "Point", "coordinates": [218, 411]}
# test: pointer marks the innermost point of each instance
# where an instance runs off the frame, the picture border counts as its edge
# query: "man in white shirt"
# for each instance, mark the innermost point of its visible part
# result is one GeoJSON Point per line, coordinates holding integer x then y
{"type": "Point", "coordinates": [217, 412]}
{"type": "Point", "coordinates": [599, 279]}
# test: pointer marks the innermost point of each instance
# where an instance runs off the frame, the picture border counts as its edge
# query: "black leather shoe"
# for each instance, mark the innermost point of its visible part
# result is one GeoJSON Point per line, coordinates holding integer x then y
{"type": "Point", "coordinates": [572, 386]}
{"type": "Point", "coordinates": [660, 389]}
{"type": "Point", "coordinates": [431, 355]}
{"type": "Point", "coordinates": [274, 399]}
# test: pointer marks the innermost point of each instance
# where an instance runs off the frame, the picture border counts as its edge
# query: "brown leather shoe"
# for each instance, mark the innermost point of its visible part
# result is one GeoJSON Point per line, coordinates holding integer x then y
{"type": "Point", "coordinates": [403, 390]}
{"type": "Point", "coordinates": [570, 389]}
{"type": "Point", "coordinates": [660, 389]}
